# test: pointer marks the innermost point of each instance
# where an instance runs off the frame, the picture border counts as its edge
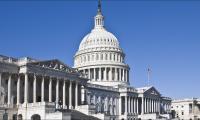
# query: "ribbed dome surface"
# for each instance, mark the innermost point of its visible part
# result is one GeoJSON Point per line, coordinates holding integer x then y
{"type": "Point", "coordinates": [99, 37]}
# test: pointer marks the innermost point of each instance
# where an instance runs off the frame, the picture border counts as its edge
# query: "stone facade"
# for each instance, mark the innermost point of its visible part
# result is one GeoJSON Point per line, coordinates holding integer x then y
{"type": "Point", "coordinates": [96, 88]}
{"type": "Point", "coordinates": [186, 109]}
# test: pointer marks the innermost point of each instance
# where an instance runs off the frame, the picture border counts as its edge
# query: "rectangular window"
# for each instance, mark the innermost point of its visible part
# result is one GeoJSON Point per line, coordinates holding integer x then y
{"type": "Point", "coordinates": [190, 108]}
{"type": "Point", "coordinates": [182, 113]}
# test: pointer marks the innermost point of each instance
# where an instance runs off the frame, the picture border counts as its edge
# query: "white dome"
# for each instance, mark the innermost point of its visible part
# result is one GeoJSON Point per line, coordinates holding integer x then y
{"type": "Point", "coordinates": [99, 37]}
{"type": "Point", "coordinates": [100, 57]}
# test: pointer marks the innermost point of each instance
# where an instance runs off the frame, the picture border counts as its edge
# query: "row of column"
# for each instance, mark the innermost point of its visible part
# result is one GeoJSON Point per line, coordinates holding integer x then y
{"type": "Point", "coordinates": [107, 74]}
{"type": "Point", "coordinates": [50, 91]}
{"type": "Point", "coordinates": [131, 105]}
{"type": "Point", "coordinates": [166, 107]}
{"type": "Point", "coordinates": [99, 57]}
{"type": "Point", "coordinates": [150, 105]}
{"type": "Point", "coordinates": [103, 104]}
{"type": "Point", "coordinates": [26, 90]}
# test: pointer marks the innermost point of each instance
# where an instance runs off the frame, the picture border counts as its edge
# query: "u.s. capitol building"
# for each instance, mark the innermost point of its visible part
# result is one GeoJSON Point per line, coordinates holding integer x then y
{"type": "Point", "coordinates": [97, 87]}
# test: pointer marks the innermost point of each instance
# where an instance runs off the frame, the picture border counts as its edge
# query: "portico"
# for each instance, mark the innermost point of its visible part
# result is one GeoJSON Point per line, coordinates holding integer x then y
{"type": "Point", "coordinates": [31, 85]}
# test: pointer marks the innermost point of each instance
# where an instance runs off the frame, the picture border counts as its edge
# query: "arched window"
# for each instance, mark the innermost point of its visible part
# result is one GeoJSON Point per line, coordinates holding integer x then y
{"type": "Point", "coordinates": [101, 56]}
{"type": "Point", "coordinates": [110, 56]}
{"type": "Point", "coordinates": [35, 117]}
{"type": "Point", "coordinates": [14, 117]}
{"type": "Point", "coordinates": [92, 57]}
{"type": "Point", "coordinates": [19, 117]}
{"type": "Point", "coordinates": [97, 56]}
{"type": "Point", "coordinates": [106, 56]}
{"type": "Point", "coordinates": [84, 58]}
{"type": "Point", "coordinates": [88, 57]}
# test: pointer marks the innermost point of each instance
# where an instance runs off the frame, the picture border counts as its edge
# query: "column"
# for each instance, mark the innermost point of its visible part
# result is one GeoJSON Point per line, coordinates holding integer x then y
{"type": "Point", "coordinates": [150, 105]}
{"type": "Point", "coordinates": [9, 89]}
{"type": "Point", "coordinates": [82, 94]}
{"type": "Point", "coordinates": [154, 105]}
{"type": "Point", "coordinates": [100, 74]}
{"type": "Point", "coordinates": [120, 73]}
{"type": "Point", "coordinates": [116, 79]}
{"type": "Point", "coordinates": [142, 107]}
{"type": "Point", "coordinates": [129, 106]}
{"type": "Point", "coordinates": [34, 89]}
{"type": "Point", "coordinates": [64, 94]}
{"type": "Point", "coordinates": [120, 105]}
{"type": "Point", "coordinates": [26, 89]}
{"type": "Point", "coordinates": [145, 105]}
{"type": "Point", "coordinates": [105, 74]}
{"type": "Point", "coordinates": [134, 105]}
{"type": "Point", "coordinates": [84, 71]}
{"type": "Point", "coordinates": [18, 90]}
{"type": "Point", "coordinates": [70, 94]}
{"type": "Point", "coordinates": [110, 74]}
{"type": "Point", "coordinates": [50, 89]}
{"type": "Point", "coordinates": [127, 73]}
{"type": "Point", "coordinates": [0, 79]}
{"type": "Point", "coordinates": [88, 99]}
{"type": "Point", "coordinates": [159, 106]}
{"type": "Point", "coordinates": [42, 89]}
{"type": "Point", "coordinates": [123, 77]}
{"type": "Point", "coordinates": [137, 106]}
{"type": "Point", "coordinates": [94, 74]}
{"type": "Point", "coordinates": [125, 112]}
{"type": "Point", "coordinates": [57, 91]}
{"type": "Point", "coordinates": [76, 95]}
{"type": "Point", "coordinates": [89, 76]}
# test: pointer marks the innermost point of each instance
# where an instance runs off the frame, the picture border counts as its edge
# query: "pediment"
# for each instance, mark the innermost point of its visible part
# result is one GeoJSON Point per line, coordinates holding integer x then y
{"type": "Point", "coordinates": [152, 91]}
{"type": "Point", "coordinates": [54, 64]}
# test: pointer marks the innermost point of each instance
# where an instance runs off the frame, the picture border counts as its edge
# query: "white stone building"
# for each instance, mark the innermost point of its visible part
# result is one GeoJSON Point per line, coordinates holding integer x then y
{"type": "Point", "coordinates": [96, 88]}
{"type": "Point", "coordinates": [186, 109]}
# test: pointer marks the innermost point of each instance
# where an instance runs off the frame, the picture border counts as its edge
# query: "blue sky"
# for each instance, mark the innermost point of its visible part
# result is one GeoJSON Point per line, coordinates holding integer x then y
{"type": "Point", "coordinates": [161, 34]}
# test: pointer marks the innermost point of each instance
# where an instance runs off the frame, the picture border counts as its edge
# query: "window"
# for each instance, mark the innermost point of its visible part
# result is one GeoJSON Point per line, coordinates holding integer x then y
{"type": "Point", "coordinates": [97, 56]}
{"type": "Point", "coordinates": [92, 57]}
{"type": "Point", "coordinates": [182, 113]}
{"type": "Point", "coordinates": [88, 57]}
{"type": "Point", "coordinates": [101, 56]}
{"type": "Point", "coordinates": [84, 58]}
{"type": "Point", "coordinates": [106, 58]}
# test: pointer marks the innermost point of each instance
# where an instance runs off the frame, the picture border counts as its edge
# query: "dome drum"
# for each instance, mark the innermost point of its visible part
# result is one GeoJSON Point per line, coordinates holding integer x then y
{"type": "Point", "coordinates": [99, 57]}
{"type": "Point", "coordinates": [112, 75]}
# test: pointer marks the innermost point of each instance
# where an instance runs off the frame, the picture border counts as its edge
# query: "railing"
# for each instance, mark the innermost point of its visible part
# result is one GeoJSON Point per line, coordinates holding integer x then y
{"type": "Point", "coordinates": [129, 89]}
{"type": "Point", "coordinates": [102, 87]}
{"type": "Point", "coordinates": [7, 106]}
